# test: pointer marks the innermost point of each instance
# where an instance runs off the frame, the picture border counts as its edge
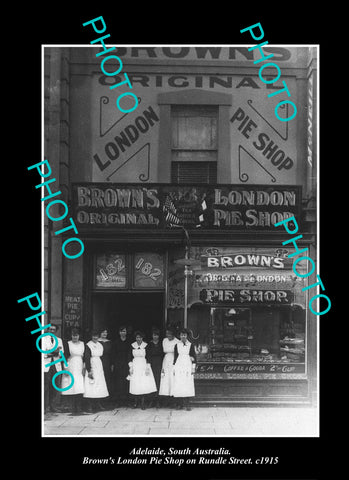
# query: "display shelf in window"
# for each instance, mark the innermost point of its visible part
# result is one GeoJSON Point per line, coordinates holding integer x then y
{"type": "Point", "coordinates": [257, 336]}
{"type": "Point", "coordinates": [292, 348]}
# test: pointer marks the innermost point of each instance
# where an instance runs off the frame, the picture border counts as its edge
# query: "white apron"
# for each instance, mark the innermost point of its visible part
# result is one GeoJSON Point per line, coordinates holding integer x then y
{"type": "Point", "coordinates": [183, 379]}
{"type": "Point", "coordinates": [166, 382]}
{"type": "Point", "coordinates": [97, 388]}
{"type": "Point", "coordinates": [140, 382]}
{"type": "Point", "coordinates": [75, 365]}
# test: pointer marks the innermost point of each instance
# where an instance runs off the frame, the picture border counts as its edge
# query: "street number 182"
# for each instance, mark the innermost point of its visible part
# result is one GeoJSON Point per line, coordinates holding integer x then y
{"type": "Point", "coordinates": [147, 269]}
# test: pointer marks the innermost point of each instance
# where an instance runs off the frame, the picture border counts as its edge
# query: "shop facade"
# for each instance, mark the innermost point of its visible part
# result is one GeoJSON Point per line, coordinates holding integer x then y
{"type": "Point", "coordinates": [176, 203]}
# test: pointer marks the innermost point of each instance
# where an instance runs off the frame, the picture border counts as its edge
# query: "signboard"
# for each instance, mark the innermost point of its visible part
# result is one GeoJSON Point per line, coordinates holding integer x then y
{"type": "Point", "coordinates": [246, 297]}
{"type": "Point", "coordinates": [148, 270]}
{"type": "Point", "coordinates": [240, 276]}
{"type": "Point", "coordinates": [224, 371]}
{"type": "Point", "coordinates": [110, 270]}
{"type": "Point", "coordinates": [112, 206]}
{"type": "Point", "coordinates": [210, 53]}
{"type": "Point", "coordinates": [246, 260]}
{"type": "Point", "coordinates": [72, 310]}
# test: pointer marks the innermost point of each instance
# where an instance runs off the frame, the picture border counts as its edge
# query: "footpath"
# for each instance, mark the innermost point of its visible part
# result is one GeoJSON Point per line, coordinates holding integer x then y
{"type": "Point", "coordinates": [200, 421]}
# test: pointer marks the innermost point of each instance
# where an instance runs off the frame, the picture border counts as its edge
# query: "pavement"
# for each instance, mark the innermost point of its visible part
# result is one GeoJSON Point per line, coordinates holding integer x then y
{"type": "Point", "coordinates": [200, 421]}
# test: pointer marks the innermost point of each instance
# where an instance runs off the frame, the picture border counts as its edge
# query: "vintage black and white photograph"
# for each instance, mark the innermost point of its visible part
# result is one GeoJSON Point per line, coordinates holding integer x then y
{"type": "Point", "coordinates": [180, 239]}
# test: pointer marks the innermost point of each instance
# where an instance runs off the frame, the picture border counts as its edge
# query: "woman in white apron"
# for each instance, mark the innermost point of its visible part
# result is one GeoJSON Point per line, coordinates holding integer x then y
{"type": "Point", "coordinates": [183, 370]}
{"type": "Point", "coordinates": [166, 382]}
{"type": "Point", "coordinates": [95, 384]}
{"type": "Point", "coordinates": [74, 352]}
{"type": "Point", "coordinates": [141, 376]}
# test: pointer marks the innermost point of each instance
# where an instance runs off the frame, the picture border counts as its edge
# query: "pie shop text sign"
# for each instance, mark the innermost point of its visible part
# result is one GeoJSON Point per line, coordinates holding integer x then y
{"type": "Point", "coordinates": [161, 206]}
{"type": "Point", "coordinates": [246, 296]}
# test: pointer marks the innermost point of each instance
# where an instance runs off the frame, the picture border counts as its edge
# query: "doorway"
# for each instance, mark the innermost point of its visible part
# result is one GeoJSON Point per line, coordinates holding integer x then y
{"type": "Point", "coordinates": [136, 310]}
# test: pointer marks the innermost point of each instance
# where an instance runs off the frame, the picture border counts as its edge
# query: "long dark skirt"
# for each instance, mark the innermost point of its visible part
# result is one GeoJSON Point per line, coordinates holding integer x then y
{"type": "Point", "coordinates": [156, 366]}
{"type": "Point", "coordinates": [120, 384]}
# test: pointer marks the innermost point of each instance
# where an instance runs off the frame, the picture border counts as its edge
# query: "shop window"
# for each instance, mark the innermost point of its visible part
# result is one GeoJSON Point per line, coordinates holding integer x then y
{"type": "Point", "coordinates": [246, 311]}
{"type": "Point", "coordinates": [255, 335]}
{"type": "Point", "coordinates": [194, 144]}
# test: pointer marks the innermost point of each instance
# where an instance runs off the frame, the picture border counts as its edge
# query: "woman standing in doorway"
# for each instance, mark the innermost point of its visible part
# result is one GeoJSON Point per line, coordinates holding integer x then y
{"type": "Point", "coordinates": [155, 355]}
{"type": "Point", "coordinates": [166, 382]}
{"type": "Point", "coordinates": [74, 353]}
{"type": "Point", "coordinates": [106, 357]}
{"type": "Point", "coordinates": [95, 384]}
{"type": "Point", "coordinates": [183, 370]}
{"type": "Point", "coordinates": [120, 355]}
{"type": "Point", "coordinates": [141, 376]}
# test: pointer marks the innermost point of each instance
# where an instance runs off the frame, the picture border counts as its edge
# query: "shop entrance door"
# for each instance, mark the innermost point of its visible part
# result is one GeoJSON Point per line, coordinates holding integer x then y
{"type": "Point", "coordinates": [136, 310]}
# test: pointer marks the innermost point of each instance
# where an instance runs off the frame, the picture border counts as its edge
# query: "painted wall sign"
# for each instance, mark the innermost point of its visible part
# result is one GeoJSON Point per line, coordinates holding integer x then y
{"type": "Point", "coordinates": [174, 52]}
{"type": "Point", "coordinates": [72, 310]}
{"type": "Point", "coordinates": [124, 147]}
{"type": "Point", "coordinates": [161, 206]}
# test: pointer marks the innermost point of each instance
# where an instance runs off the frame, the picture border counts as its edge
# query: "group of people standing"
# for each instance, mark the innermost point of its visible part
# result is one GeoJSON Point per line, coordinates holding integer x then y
{"type": "Point", "coordinates": [111, 374]}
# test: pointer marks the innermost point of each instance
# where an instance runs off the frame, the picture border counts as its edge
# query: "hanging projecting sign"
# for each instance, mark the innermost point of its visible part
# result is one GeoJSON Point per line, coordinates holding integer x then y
{"type": "Point", "coordinates": [161, 206]}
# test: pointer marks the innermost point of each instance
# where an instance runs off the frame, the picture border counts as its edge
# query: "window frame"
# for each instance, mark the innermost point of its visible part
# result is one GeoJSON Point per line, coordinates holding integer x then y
{"type": "Point", "coordinates": [195, 97]}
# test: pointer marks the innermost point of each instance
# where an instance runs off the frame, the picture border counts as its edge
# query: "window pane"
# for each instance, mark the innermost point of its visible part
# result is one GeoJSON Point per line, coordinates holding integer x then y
{"type": "Point", "coordinates": [194, 132]}
{"type": "Point", "coordinates": [110, 270]}
{"type": "Point", "coordinates": [194, 127]}
{"type": "Point", "coordinates": [148, 270]}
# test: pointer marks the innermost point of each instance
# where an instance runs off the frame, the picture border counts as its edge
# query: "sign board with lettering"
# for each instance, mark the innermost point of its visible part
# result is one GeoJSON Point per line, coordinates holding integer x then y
{"type": "Point", "coordinates": [223, 371]}
{"type": "Point", "coordinates": [72, 310]}
{"type": "Point", "coordinates": [240, 276]}
{"type": "Point", "coordinates": [246, 296]}
{"type": "Point", "coordinates": [215, 54]}
{"type": "Point", "coordinates": [109, 206]}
